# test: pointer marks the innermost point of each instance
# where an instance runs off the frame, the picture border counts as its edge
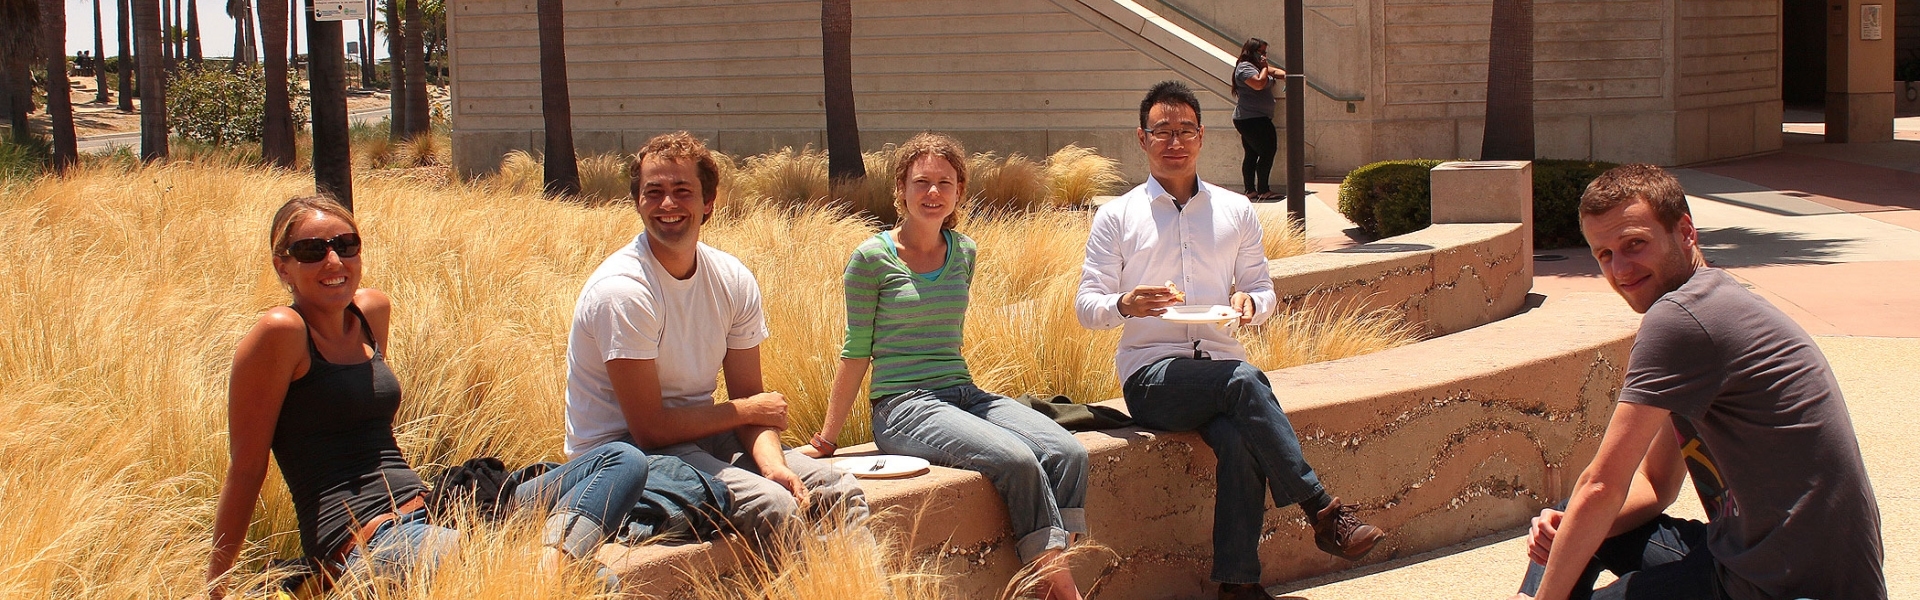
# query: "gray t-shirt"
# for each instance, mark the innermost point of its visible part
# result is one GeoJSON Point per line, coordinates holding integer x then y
{"type": "Point", "coordinates": [1799, 518]}
{"type": "Point", "coordinates": [1249, 103]}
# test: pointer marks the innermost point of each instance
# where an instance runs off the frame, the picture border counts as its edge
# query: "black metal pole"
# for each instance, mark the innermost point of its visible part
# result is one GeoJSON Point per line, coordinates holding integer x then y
{"type": "Point", "coordinates": [1296, 115]}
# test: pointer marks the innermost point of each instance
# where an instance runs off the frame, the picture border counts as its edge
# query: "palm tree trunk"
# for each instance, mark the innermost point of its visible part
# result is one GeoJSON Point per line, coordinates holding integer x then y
{"type": "Point", "coordinates": [327, 75]}
{"type": "Point", "coordinates": [836, 54]}
{"type": "Point", "coordinates": [293, 19]}
{"type": "Point", "coordinates": [276, 136]}
{"type": "Point", "coordinates": [1509, 131]}
{"type": "Point", "coordinates": [53, 32]}
{"type": "Point", "coordinates": [418, 118]}
{"type": "Point", "coordinates": [562, 167]}
{"type": "Point", "coordinates": [126, 55]}
{"type": "Point", "coordinates": [397, 76]}
{"type": "Point", "coordinates": [153, 81]}
{"type": "Point", "coordinates": [365, 55]}
{"type": "Point", "coordinates": [18, 71]}
{"type": "Point", "coordinates": [101, 94]}
{"type": "Point", "coordinates": [193, 33]}
{"type": "Point", "coordinates": [253, 32]}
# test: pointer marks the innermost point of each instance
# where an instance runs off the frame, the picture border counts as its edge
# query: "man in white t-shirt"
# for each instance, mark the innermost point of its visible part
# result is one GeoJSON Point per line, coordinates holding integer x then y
{"type": "Point", "coordinates": [656, 322]}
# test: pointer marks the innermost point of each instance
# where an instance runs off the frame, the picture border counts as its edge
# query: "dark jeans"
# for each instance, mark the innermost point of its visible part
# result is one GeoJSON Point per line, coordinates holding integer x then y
{"type": "Point", "coordinates": [1665, 558]}
{"type": "Point", "coordinates": [1232, 405]}
{"type": "Point", "coordinates": [1262, 144]}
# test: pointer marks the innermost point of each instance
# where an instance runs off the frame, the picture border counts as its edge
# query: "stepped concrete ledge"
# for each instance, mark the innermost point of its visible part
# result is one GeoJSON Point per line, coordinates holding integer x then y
{"type": "Point", "coordinates": [1440, 442]}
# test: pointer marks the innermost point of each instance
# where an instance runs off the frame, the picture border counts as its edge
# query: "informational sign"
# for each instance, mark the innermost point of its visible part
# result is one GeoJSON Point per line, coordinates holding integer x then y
{"type": "Point", "coordinates": [350, 10]}
{"type": "Point", "coordinates": [1870, 21]}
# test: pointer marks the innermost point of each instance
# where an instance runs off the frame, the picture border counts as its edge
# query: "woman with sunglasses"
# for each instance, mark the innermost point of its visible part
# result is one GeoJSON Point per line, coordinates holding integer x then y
{"type": "Point", "coordinates": [906, 304]}
{"type": "Point", "coordinates": [311, 385]}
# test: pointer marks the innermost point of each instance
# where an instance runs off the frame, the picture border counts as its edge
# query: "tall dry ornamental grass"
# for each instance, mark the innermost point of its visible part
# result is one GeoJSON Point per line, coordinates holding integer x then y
{"type": "Point", "coordinates": [128, 287]}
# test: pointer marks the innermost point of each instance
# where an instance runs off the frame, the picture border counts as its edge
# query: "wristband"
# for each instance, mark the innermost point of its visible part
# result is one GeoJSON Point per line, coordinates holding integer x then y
{"type": "Point", "coordinates": [823, 445]}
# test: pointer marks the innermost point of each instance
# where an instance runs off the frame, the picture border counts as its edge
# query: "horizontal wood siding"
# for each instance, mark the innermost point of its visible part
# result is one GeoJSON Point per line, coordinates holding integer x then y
{"type": "Point", "coordinates": [755, 64]}
{"type": "Point", "coordinates": [1727, 52]}
{"type": "Point", "coordinates": [1589, 56]}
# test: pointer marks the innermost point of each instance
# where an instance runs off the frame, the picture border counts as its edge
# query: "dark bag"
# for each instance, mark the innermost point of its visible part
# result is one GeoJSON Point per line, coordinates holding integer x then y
{"type": "Point", "coordinates": [483, 481]}
{"type": "Point", "coordinates": [1076, 417]}
{"type": "Point", "coordinates": [680, 504]}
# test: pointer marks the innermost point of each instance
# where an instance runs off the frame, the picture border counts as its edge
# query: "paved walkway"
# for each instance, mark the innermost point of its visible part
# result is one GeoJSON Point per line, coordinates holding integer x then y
{"type": "Point", "coordinates": [1831, 235]}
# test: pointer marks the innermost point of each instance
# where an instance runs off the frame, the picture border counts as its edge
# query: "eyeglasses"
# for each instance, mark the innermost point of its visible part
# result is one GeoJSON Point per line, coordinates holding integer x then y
{"type": "Point", "coordinates": [313, 250]}
{"type": "Point", "coordinates": [1165, 135]}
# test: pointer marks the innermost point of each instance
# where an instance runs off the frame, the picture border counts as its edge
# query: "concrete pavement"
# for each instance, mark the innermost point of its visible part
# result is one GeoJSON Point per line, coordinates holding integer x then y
{"type": "Point", "coordinates": [131, 139]}
{"type": "Point", "coordinates": [1831, 235]}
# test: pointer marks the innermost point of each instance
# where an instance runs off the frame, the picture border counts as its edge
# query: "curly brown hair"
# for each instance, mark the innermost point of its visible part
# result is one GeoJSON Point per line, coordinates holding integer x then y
{"type": "Point", "coordinates": [929, 144]}
{"type": "Point", "coordinates": [679, 145]}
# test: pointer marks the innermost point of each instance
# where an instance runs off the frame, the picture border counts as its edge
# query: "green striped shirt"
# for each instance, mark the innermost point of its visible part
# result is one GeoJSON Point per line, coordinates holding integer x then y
{"type": "Point", "coordinates": [908, 323]}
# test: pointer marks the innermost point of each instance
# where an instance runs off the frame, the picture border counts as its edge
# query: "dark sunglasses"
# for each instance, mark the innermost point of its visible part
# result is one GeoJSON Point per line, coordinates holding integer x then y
{"type": "Point", "coordinates": [313, 250]}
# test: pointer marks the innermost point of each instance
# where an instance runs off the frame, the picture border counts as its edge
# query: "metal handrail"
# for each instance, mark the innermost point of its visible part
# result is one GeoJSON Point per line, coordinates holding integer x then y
{"type": "Point", "coordinates": [1355, 97]}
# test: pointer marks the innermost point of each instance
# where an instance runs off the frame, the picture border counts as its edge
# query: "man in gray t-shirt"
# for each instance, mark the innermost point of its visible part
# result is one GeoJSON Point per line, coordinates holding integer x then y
{"type": "Point", "coordinates": [1725, 385]}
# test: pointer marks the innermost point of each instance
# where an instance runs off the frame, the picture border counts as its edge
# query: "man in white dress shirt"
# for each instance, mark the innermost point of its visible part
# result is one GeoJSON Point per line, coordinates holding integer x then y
{"type": "Point", "coordinates": [1205, 242]}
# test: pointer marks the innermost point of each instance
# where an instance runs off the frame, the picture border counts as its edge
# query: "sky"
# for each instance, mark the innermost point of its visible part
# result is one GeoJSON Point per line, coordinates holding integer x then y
{"type": "Point", "coordinates": [216, 29]}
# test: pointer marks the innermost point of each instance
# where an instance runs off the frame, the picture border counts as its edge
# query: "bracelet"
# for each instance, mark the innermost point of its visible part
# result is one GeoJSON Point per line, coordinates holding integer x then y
{"type": "Point", "coordinates": [823, 445]}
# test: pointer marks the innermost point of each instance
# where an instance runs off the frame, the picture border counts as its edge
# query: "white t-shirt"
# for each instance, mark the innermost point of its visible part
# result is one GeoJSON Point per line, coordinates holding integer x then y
{"type": "Point", "coordinates": [631, 308]}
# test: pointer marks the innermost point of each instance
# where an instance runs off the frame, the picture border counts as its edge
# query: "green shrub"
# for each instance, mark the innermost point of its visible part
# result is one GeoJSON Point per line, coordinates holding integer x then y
{"type": "Point", "coordinates": [24, 160]}
{"type": "Point", "coordinates": [1402, 185]}
{"type": "Point", "coordinates": [219, 107]}
{"type": "Point", "coordinates": [1395, 197]}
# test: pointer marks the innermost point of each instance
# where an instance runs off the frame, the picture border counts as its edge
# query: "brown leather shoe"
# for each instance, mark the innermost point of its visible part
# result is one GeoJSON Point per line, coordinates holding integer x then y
{"type": "Point", "coordinates": [1244, 591]}
{"type": "Point", "coordinates": [1338, 531]}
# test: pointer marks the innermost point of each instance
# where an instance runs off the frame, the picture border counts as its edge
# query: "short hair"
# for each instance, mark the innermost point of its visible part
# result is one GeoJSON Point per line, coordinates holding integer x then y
{"type": "Point", "coordinates": [1172, 93]}
{"type": "Point", "coordinates": [296, 211]}
{"type": "Point", "coordinates": [1647, 183]}
{"type": "Point", "coordinates": [930, 144]}
{"type": "Point", "coordinates": [679, 145]}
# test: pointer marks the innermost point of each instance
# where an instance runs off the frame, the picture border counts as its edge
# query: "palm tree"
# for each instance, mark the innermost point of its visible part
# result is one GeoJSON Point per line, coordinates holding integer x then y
{"type": "Point", "coordinates": [397, 78]}
{"type": "Point", "coordinates": [418, 118]}
{"type": "Point", "coordinates": [193, 33]}
{"type": "Point", "coordinates": [1509, 131]}
{"type": "Point", "coordinates": [19, 46]}
{"type": "Point", "coordinates": [101, 95]}
{"type": "Point", "coordinates": [243, 50]}
{"type": "Point", "coordinates": [126, 55]}
{"type": "Point", "coordinates": [276, 139]}
{"type": "Point", "coordinates": [53, 32]}
{"type": "Point", "coordinates": [836, 53]}
{"type": "Point", "coordinates": [153, 81]}
{"type": "Point", "coordinates": [562, 168]}
{"type": "Point", "coordinates": [327, 76]}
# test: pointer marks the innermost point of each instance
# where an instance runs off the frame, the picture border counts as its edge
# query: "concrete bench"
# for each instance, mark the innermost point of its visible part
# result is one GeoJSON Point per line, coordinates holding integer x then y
{"type": "Point", "coordinates": [1440, 442]}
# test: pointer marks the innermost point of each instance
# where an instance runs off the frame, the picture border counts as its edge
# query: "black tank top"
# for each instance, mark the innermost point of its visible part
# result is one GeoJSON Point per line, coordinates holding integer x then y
{"type": "Point", "coordinates": [335, 447]}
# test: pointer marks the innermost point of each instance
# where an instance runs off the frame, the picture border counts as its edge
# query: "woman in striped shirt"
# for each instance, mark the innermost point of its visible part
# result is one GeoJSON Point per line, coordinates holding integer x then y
{"type": "Point", "coordinates": [906, 305]}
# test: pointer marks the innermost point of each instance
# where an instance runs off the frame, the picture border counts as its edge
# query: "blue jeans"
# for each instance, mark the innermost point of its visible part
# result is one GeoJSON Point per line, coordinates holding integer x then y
{"type": "Point", "coordinates": [1232, 405]}
{"type": "Point", "coordinates": [1039, 469]}
{"type": "Point", "coordinates": [1665, 558]}
{"type": "Point", "coordinates": [402, 547]}
{"type": "Point", "coordinates": [590, 496]}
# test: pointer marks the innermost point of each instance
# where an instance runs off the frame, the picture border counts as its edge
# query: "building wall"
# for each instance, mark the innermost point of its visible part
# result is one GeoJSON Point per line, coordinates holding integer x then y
{"type": "Point", "coordinates": [1661, 81]}
{"type": "Point", "coordinates": [1002, 75]}
{"type": "Point", "coordinates": [1727, 89]}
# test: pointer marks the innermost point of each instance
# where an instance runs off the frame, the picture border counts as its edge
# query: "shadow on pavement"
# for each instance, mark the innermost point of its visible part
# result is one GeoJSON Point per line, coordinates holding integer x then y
{"type": "Point", "coordinates": [1745, 247]}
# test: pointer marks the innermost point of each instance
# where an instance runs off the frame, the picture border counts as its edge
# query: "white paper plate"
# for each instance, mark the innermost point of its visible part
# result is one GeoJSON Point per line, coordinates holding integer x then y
{"type": "Point", "coordinates": [1196, 314]}
{"type": "Point", "coordinates": [882, 466]}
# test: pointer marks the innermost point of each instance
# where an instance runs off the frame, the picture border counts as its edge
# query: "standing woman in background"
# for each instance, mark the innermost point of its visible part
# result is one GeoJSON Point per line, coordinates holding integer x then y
{"type": "Point", "coordinates": [1253, 87]}
{"type": "Point", "coordinates": [311, 384]}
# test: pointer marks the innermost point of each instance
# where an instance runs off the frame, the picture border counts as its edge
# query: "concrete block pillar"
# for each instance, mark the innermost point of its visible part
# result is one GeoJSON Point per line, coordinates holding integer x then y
{"type": "Point", "coordinates": [1495, 191]}
{"type": "Point", "coordinates": [1860, 53]}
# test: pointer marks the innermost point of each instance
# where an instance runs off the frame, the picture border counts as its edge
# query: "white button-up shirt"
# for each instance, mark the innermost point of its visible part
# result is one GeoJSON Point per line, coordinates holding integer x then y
{"type": "Point", "coordinates": [1209, 250]}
